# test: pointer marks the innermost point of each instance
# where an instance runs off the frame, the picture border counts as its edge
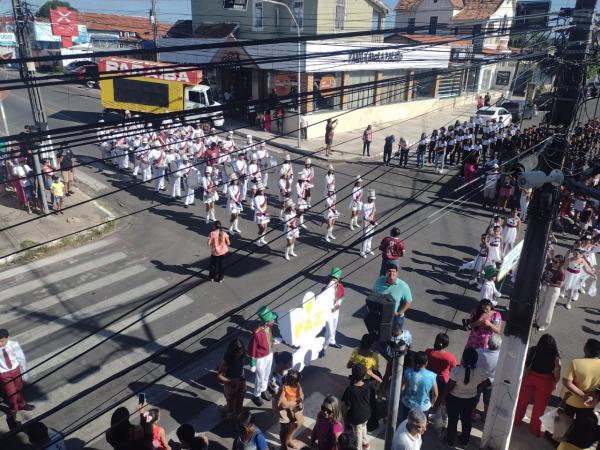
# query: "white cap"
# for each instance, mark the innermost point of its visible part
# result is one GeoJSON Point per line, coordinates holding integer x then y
{"type": "Point", "coordinates": [287, 158]}
{"type": "Point", "coordinates": [254, 157]}
{"type": "Point", "coordinates": [282, 171]}
{"type": "Point", "coordinates": [358, 179]}
{"type": "Point", "coordinates": [208, 169]}
{"type": "Point", "coordinates": [249, 138]}
{"type": "Point", "coordinates": [260, 186]}
{"type": "Point", "coordinates": [230, 133]}
{"type": "Point", "coordinates": [308, 161]}
{"type": "Point", "coordinates": [372, 193]}
{"type": "Point", "coordinates": [330, 167]}
{"type": "Point", "coordinates": [144, 140]}
{"type": "Point", "coordinates": [233, 177]}
{"type": "Point", "coordinates": [289, 203]}
{"type": "Point", "coordinates": [263, 144]}
{"type": "Point", "coordinates": [301, 176]}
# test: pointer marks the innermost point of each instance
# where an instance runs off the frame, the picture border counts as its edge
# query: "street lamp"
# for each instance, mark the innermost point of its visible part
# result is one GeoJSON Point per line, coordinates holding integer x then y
{"type": "Point", "coordinates": [274, 2]}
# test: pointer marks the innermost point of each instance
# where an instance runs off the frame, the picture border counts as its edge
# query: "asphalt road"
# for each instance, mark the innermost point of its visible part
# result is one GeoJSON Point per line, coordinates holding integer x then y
{"type": "Point", "coordinates": [163, 245]}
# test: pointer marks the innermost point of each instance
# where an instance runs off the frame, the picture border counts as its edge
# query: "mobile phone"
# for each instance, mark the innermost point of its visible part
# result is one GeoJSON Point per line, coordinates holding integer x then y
{"type": "Point", "coordinates": [141, 398]}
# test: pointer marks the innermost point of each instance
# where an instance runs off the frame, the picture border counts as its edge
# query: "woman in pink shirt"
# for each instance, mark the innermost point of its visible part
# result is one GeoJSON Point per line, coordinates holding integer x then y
{"type": "Point", "coordinates": [218, 241]}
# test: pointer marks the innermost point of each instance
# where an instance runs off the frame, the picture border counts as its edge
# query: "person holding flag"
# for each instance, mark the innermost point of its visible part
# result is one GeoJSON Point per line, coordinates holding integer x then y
{"type": "Point", "coordinates": [335, 283]}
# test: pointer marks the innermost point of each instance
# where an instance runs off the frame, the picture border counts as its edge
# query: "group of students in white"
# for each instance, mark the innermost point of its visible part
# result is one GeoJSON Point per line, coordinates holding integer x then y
{"type": "Point", "coordinates": [176, 153]}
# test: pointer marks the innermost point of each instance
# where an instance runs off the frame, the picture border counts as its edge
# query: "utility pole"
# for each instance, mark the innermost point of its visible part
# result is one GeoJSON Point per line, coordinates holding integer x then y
{"type": "Point", "coordinates": [154, 25]}
{"type": "Point", "coordinates": [398, 350]}
{"type": "Point", "coordinates": [22, 16]}
{"type": "Point", "coordinates": [542, 210]}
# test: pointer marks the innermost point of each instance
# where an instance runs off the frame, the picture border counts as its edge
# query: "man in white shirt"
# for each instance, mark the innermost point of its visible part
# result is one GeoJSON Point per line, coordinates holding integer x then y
{"type": "Point", "coordinates": [488, 361]}
{"type": "Point", "coordinates": [12, 371]}
{"type": "Point", "coordinates": [408, 434]}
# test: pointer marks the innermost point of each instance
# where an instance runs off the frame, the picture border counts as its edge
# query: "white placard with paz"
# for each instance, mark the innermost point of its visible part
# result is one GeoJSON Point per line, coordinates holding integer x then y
{"type": "Point", "coordinates": [510, 261]}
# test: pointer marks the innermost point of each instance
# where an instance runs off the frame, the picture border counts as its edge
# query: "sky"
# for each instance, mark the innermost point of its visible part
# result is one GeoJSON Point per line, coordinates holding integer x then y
{"type": "Point", "coordinates": [171, 10]}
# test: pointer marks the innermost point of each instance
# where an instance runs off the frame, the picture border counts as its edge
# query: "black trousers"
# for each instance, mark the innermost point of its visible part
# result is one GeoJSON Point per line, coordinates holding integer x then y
{"type": "Point", "coordinates": [459, 408]}
{"type": "Point", "coordinates": [216, 267]}
{"type": "Point", "coordinates": [387, 156]}
{"type": "Point", "coordinates": [403, 157]}
{"type": "Point", "coordinates": [367, 147]}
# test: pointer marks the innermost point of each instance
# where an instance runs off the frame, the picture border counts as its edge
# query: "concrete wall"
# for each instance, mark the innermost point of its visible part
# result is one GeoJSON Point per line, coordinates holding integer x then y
{"type": "Point", "coordinates": [358, 119]}
{"type": "Point", "coordinates": [359, 16]}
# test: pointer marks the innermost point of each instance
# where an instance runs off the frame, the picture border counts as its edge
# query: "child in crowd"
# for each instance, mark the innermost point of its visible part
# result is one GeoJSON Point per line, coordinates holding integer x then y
{"type": "Point", "coordinates": [58, 193]}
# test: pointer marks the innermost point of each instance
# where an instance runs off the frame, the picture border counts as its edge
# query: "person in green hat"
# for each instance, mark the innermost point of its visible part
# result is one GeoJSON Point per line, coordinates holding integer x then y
{"type": "Point", "coordinates": [335, 283]}
{"type": "Point", "coordinates": [488, 287]}
{"type": "Point", "coordinates": [260, 352]}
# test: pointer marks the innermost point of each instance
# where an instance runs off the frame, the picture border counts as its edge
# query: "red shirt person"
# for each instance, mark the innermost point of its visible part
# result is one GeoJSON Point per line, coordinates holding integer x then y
{"type": "Point", "coordinates": [392, 249]}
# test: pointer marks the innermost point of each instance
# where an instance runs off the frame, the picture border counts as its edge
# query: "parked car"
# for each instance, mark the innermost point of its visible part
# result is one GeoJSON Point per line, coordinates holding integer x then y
{"type": "Point", "coordinates": [88, 75]}
{"type": "Point", "coordinates": [497, 113]}
{"type": "Point", "coordinates": [543, 101]}
{"type": "Point", "coordinates": [519, 109]}
{"type": "Point", "coordinates": [71, 68]}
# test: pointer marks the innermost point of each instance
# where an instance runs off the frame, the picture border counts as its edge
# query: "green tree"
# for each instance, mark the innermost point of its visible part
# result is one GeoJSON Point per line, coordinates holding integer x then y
{"type": "Point", "coordinates": [44, 10]}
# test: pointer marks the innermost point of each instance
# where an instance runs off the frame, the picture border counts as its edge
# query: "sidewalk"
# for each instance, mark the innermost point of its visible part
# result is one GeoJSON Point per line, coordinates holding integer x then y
{"type": "Point", "coordinates": [49, 229]}
{"type": "Point", "coordinates": [348, 146]}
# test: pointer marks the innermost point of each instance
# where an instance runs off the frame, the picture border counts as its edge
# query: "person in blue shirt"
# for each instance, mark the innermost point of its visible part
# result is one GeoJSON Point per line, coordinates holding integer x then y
{"type": "Point", "coordinates": [398, 289]}
{"type": "Point", "coordinates": [419, 387]}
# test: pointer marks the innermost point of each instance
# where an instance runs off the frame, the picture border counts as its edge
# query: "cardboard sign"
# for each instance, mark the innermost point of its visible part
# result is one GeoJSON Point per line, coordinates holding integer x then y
{"type": "Point", "coordinates": [299, 327]}
{"type": "Point", "coordinates": [64, 22]}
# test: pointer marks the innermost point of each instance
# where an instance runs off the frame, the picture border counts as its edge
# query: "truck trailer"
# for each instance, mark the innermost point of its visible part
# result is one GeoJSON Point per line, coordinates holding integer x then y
{"type": "Point", "coordinates": [156, 88]}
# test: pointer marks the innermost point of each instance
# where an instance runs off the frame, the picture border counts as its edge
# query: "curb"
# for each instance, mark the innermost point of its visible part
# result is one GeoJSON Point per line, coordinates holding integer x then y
{"type": "Point", "coordinates": [99, 230]}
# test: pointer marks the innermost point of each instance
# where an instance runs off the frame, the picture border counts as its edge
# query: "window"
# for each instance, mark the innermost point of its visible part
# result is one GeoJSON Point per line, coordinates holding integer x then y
{"type": "Point", "coordinates": [433, 24]}
{"type": "Point", "coordinates": [410, 29]}
{"type": "Point", "coordinates": [298, 9]}
{"type": "Point", "coordinates": [257, 22]}
{"type": "Point", "coordinates": [141, 92]}
{"type": "Point", "coordinates": [196, 97]}
{"type": "Point", "coordinates": [340, 14]}
{"type": "Point", "coordinates": [276, 17]}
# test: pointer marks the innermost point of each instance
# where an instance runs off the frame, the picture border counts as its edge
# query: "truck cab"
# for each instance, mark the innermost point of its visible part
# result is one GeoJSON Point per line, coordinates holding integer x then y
{"type": "Point", "coordinates": [201, 96]}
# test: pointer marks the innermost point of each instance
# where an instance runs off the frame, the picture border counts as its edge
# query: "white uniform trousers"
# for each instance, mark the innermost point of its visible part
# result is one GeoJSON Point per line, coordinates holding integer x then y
{"type": "Point", "coordinates": [261, 376]}
{"type": "Point", "coordinates": [330, 329]}
{"type": "Point", "coordinates": [243, 189]}
{"type": "Point", "coordinates": [547, 301]}
{"type": "Point", "coordinates": [175, 186]}
{"type": "Point", "coordinates": [190, 196]}
{"type": "Point", "coordinates": [136, 166]}
{"type": "Point", "coordinates": [159, 175]}
{"type": "Point", "coordinates": [146, 172]}
{"type": "Point", "coordinates": [368, 238]}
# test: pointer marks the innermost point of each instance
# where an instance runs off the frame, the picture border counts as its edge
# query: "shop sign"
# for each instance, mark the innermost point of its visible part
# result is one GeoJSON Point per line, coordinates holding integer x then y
{"type": "Point", "coordinates": [327, 82]}
{"type": "Point", "coordinates": [7, 39]}
{"type": "Point", "coordinates": [367, 56]}
{"type": "Point", "coordinates": [64, 22]}
{"type": "Point", "coordinates": [300, 326]}
{"type": "Point", "coordinates": [149, 69]}
{"type": "Point", "coordinates": [283, 83]}
{"type": "Point", "coordinates": [502, 78]}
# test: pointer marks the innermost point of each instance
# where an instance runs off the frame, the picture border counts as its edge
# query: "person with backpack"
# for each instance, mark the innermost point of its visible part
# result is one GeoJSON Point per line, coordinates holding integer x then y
{"type": "Point", "coordinates": [392, 249]}
{"type": "Point", "coordinates": [249, 437]}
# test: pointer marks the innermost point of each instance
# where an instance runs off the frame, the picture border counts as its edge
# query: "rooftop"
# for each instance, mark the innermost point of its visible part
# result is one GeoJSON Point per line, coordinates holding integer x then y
{"type": "Point", "coordinates": [477, 10]}
{"type": "Point", "coordinates": [113, 22]}
{"type": "Point", "coordinates": [410, 5]}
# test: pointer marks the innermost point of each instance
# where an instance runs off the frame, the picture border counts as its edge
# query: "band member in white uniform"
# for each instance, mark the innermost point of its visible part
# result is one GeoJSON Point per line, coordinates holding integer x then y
{"type": "Point", "coordinates": [249, 147]}
{"type": "Point", "coordinates": [576, 263]}
{"type": "Point", "coordinates": [481, 260]}
{"type": "Point", "coordinates": [369, 224]}
{"type": "Point", "coordinates": [174, 162]}
{"type": "Point", "coordinates": [496, 246]}
{"type": "Point", "coordinates": [290, 226]}
{"type": "Point", "coordinates": [356, 203]}
{"type": "Point", "coordinates": [285, 189]}
{"type": "Point", "coordinates": [209, 194]}
{"type": "Point", "coordinates": [135, 142]}
{"type": "Point", "coordinates": [330, 214]}
{"type": "Point", "coordinates": [329, 183]}
{"type": "Point", "coordinates": [159, 163]}
{"type": "Point", "coordinates": [241, 169]}
{"type": "Point", "coordinates": [263, 162]}
{"type": "Point", "coordinates": [301, 198]}
{"type": "Point", "coordinates": [234, 204]}
{"type": "Point", "coordinates": [287, 166]}
{"type": "Point", "coordinates": [512, 225]}
{"type": "Point", "coordinates": [309, 176]}
{"type": "Point", "coordinates": [189, 179]}
{"type": "Point", "coordinates": [261, 215]}
{"type": "Point", "coordinates": [255, 176]}
{"type": "Point", "coordinates": [145, 166]}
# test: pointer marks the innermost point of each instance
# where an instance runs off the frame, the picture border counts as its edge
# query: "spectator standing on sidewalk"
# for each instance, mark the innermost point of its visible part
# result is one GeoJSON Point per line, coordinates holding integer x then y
{"type": "Point", "coordinates": [419, 387]}
{"type": "Point", "coordinates": [303, 126]}
{"type": "Point", "coordinates": [403, 149]}
{"type": "Point", "coordinates": [43, 438]}
{"type": "Point", "coordinates": [543, 368]}
{"type": "Point", "coordinates": [66, 160]}
{"type": "Point", "coordinates": [250, 436]}
{"type": "Point", "coordinates": [158, 438]}
{"type": "Point", "coordinates": [392, 249]}
{"type": "Point", "coordinates": [409, 432]}
{"type": "Point", "coordinates": [231, 374]}
{"type": "Point", "coordinates": [358, 399]}
{"type": "Point", "coordinates": [267, 123]}
{"type": "Point", "coordinates": [441, 361]}
{"type": "Point", "coordinates": [422, 147]}
{"type": "Point", "coordinates": [279, 115]}
{"type": "Point", "coordinates": [122, 434]}
{"type": "Point", "coordinates": [329, 133]}
{"type": "Point", "coordinates": [57, 188]}
{"type": "Point", "coordinates": [367, 139]}
{"type": "Point", "coordinates": [366, 356]}
{"type": "Point", "coordinates": [13, 368]}
{"type": "Point", "coordinates": [487, 99]}
{"type": "Point", "coordinates": [388, 148]}
{"type": "Point", "coordinates": [328, 426]}
{"type": "Point", "coordinates": [290, 404]}
{"type": "Point", "coordinates": [480, 102]}
{"type": "Point", "coordinates": [488, 361]}
{"type": "Point", "coordinates": [251, 112]}
{"type": "Point", "coordinates": [261, 354]}
{"type": "Point", "coordinates": [218, 241]}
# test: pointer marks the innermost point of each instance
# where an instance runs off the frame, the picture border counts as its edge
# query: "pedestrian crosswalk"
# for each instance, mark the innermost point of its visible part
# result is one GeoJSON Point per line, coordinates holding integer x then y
{"type": "Point", "coordinates": [62, 307]}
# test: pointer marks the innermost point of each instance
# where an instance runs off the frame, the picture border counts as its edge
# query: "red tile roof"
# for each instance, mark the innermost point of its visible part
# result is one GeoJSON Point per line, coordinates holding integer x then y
{"type": "Point", "coordinates": [113, 22]}
{"type": "Point", "coordinates": [410, 5]}
{"type": "Point", "coordinates": [477, 10]}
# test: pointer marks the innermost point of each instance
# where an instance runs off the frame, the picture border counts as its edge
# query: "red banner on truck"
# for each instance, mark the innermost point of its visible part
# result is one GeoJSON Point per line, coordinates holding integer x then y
{"type": "Point", "coordinates": [151, 69]}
